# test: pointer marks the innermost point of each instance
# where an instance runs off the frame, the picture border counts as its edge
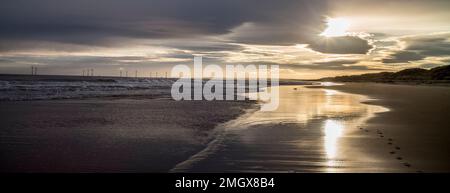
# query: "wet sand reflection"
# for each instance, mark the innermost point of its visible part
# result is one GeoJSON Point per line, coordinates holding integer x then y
{"type": "Point", "coordinates": [309, 132]}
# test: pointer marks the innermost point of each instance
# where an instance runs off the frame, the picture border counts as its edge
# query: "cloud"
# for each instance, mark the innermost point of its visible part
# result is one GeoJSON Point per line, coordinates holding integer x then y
{"type": "Point", "coordinates": [337, 65]}
{"type": "Point", "coordinates": [402, 57]}
{"type": "Point", "coordinates": [420, 47]}
{"type": "Point", "coordinates": [100, 23]}
{"type": "Point", "coordinates": [72, 34]}
{"type": "Point", "coordinates": [201, 45]}
{"type": "Point", "coordinates": [341, 45]}
{"type": "Point", "coordinates": [134, 18]}
{"type": "Point", "coordinates": [77, 62]}
{"type": "Point", "coordinates": [342, 64]}
{"type": "Point", "coordinates": [430, 65]}
{"type": "Point", "coordinates": [429, 45]}
{"type": "Point", "coordinates": [336, 62]}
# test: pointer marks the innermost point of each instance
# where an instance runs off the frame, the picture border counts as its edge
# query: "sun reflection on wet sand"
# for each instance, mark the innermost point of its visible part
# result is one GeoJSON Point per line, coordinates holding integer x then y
{"type": "Point", "coordinates": [330, 92]}
{"type": "Point", "coordinates": [333, 130]}
{"type": "Point", "coordinates": [340, 113]}
{"type": "Point", "coordinates": [305, 104]}
{"type": "Point", "coordinates": [310, 131]}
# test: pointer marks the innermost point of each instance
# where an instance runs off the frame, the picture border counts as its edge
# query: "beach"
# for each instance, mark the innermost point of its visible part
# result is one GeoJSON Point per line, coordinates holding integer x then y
{"type": "Point", "coordinates": [133, 125]}
{"type": "Point", "coordinates": [345, 128]}
{"type": "Point", "coordinates": [417, 121]}
{"type": "Point", "coordinates": [112, 133]}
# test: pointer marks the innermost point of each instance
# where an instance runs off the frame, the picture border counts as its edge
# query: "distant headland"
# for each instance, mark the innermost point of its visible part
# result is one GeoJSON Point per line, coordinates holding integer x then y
{"type": "Point", "coordinates": [435, 75]}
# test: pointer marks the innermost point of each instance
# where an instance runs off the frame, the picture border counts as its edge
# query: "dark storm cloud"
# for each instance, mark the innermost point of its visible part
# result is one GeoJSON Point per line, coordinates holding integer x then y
{"type": "Point", "coordinates": [291, 24]}
{"type": "Point", "coordinates": [341, 45]}
{"type": "Point", "coordinates": [434, 45]}
{"type": "Point", "coordinates": [420, 47]}
{"type": "Point", "coordinates": [403, 56]}
{"type": "Point", "coordinates": [113, 22]}
{"type": "Point", "coordinates": [89, 22]}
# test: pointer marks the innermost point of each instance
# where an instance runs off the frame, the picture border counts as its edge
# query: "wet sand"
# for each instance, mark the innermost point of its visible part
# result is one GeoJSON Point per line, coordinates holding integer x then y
{"type": "Point", "coordinates": [418, 122]}
{"type": "Point", "coordinates": [311, 131]}
{"type": "Point", "coordinates": [324, 130]}
{"type": "Point", "coordinates": [134, 134]}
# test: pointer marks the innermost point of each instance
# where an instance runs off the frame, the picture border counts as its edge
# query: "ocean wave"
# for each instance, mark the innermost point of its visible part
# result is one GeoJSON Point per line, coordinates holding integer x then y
{"type": "Point", "coordinates": [16, 90]}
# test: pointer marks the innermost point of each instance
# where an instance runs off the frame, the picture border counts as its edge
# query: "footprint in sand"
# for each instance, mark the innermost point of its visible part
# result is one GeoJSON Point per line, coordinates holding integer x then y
{"type": "Point", "coordinates": [393, 152]}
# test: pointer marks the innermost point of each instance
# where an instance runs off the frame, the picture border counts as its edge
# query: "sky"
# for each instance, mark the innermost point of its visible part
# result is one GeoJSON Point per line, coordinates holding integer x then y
{"type": "Point", "coordinates": [308, 39]}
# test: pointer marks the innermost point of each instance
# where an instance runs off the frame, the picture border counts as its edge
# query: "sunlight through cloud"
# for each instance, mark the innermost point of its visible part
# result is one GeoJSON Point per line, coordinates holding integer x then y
{"type": "Point", "coordinates": [336, 27]}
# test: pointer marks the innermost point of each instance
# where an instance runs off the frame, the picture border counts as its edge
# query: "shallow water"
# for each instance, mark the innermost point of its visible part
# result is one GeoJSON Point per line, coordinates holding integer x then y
{"type": "Point", "coordinates": [313, 130]}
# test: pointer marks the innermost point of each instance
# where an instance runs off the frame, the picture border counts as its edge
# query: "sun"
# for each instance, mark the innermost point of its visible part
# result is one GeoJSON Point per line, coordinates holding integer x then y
{"type": "Point", "coordinates": [336, 27]}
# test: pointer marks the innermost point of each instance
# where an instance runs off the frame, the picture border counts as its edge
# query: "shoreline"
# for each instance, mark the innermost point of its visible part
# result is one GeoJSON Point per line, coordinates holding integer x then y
{"type": "Point", "coordinates": [213, 145]}
{"type": "Point", "coordinates": [134, 133]}
{"type": "Point", "coordinates": [310, 132]}
{"type": "Point", "coordinates": [404, 83]}
{"type": "Point", "coordinates": [369, 141]}
{"type": "Point", "coordinates": [416, 122]}
{"type": "Point", "coordinates": [124, 134]}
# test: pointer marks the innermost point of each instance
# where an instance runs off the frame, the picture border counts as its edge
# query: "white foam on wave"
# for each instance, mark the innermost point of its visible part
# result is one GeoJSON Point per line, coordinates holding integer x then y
{"type": "Point", "coordinates": [41, 89]}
